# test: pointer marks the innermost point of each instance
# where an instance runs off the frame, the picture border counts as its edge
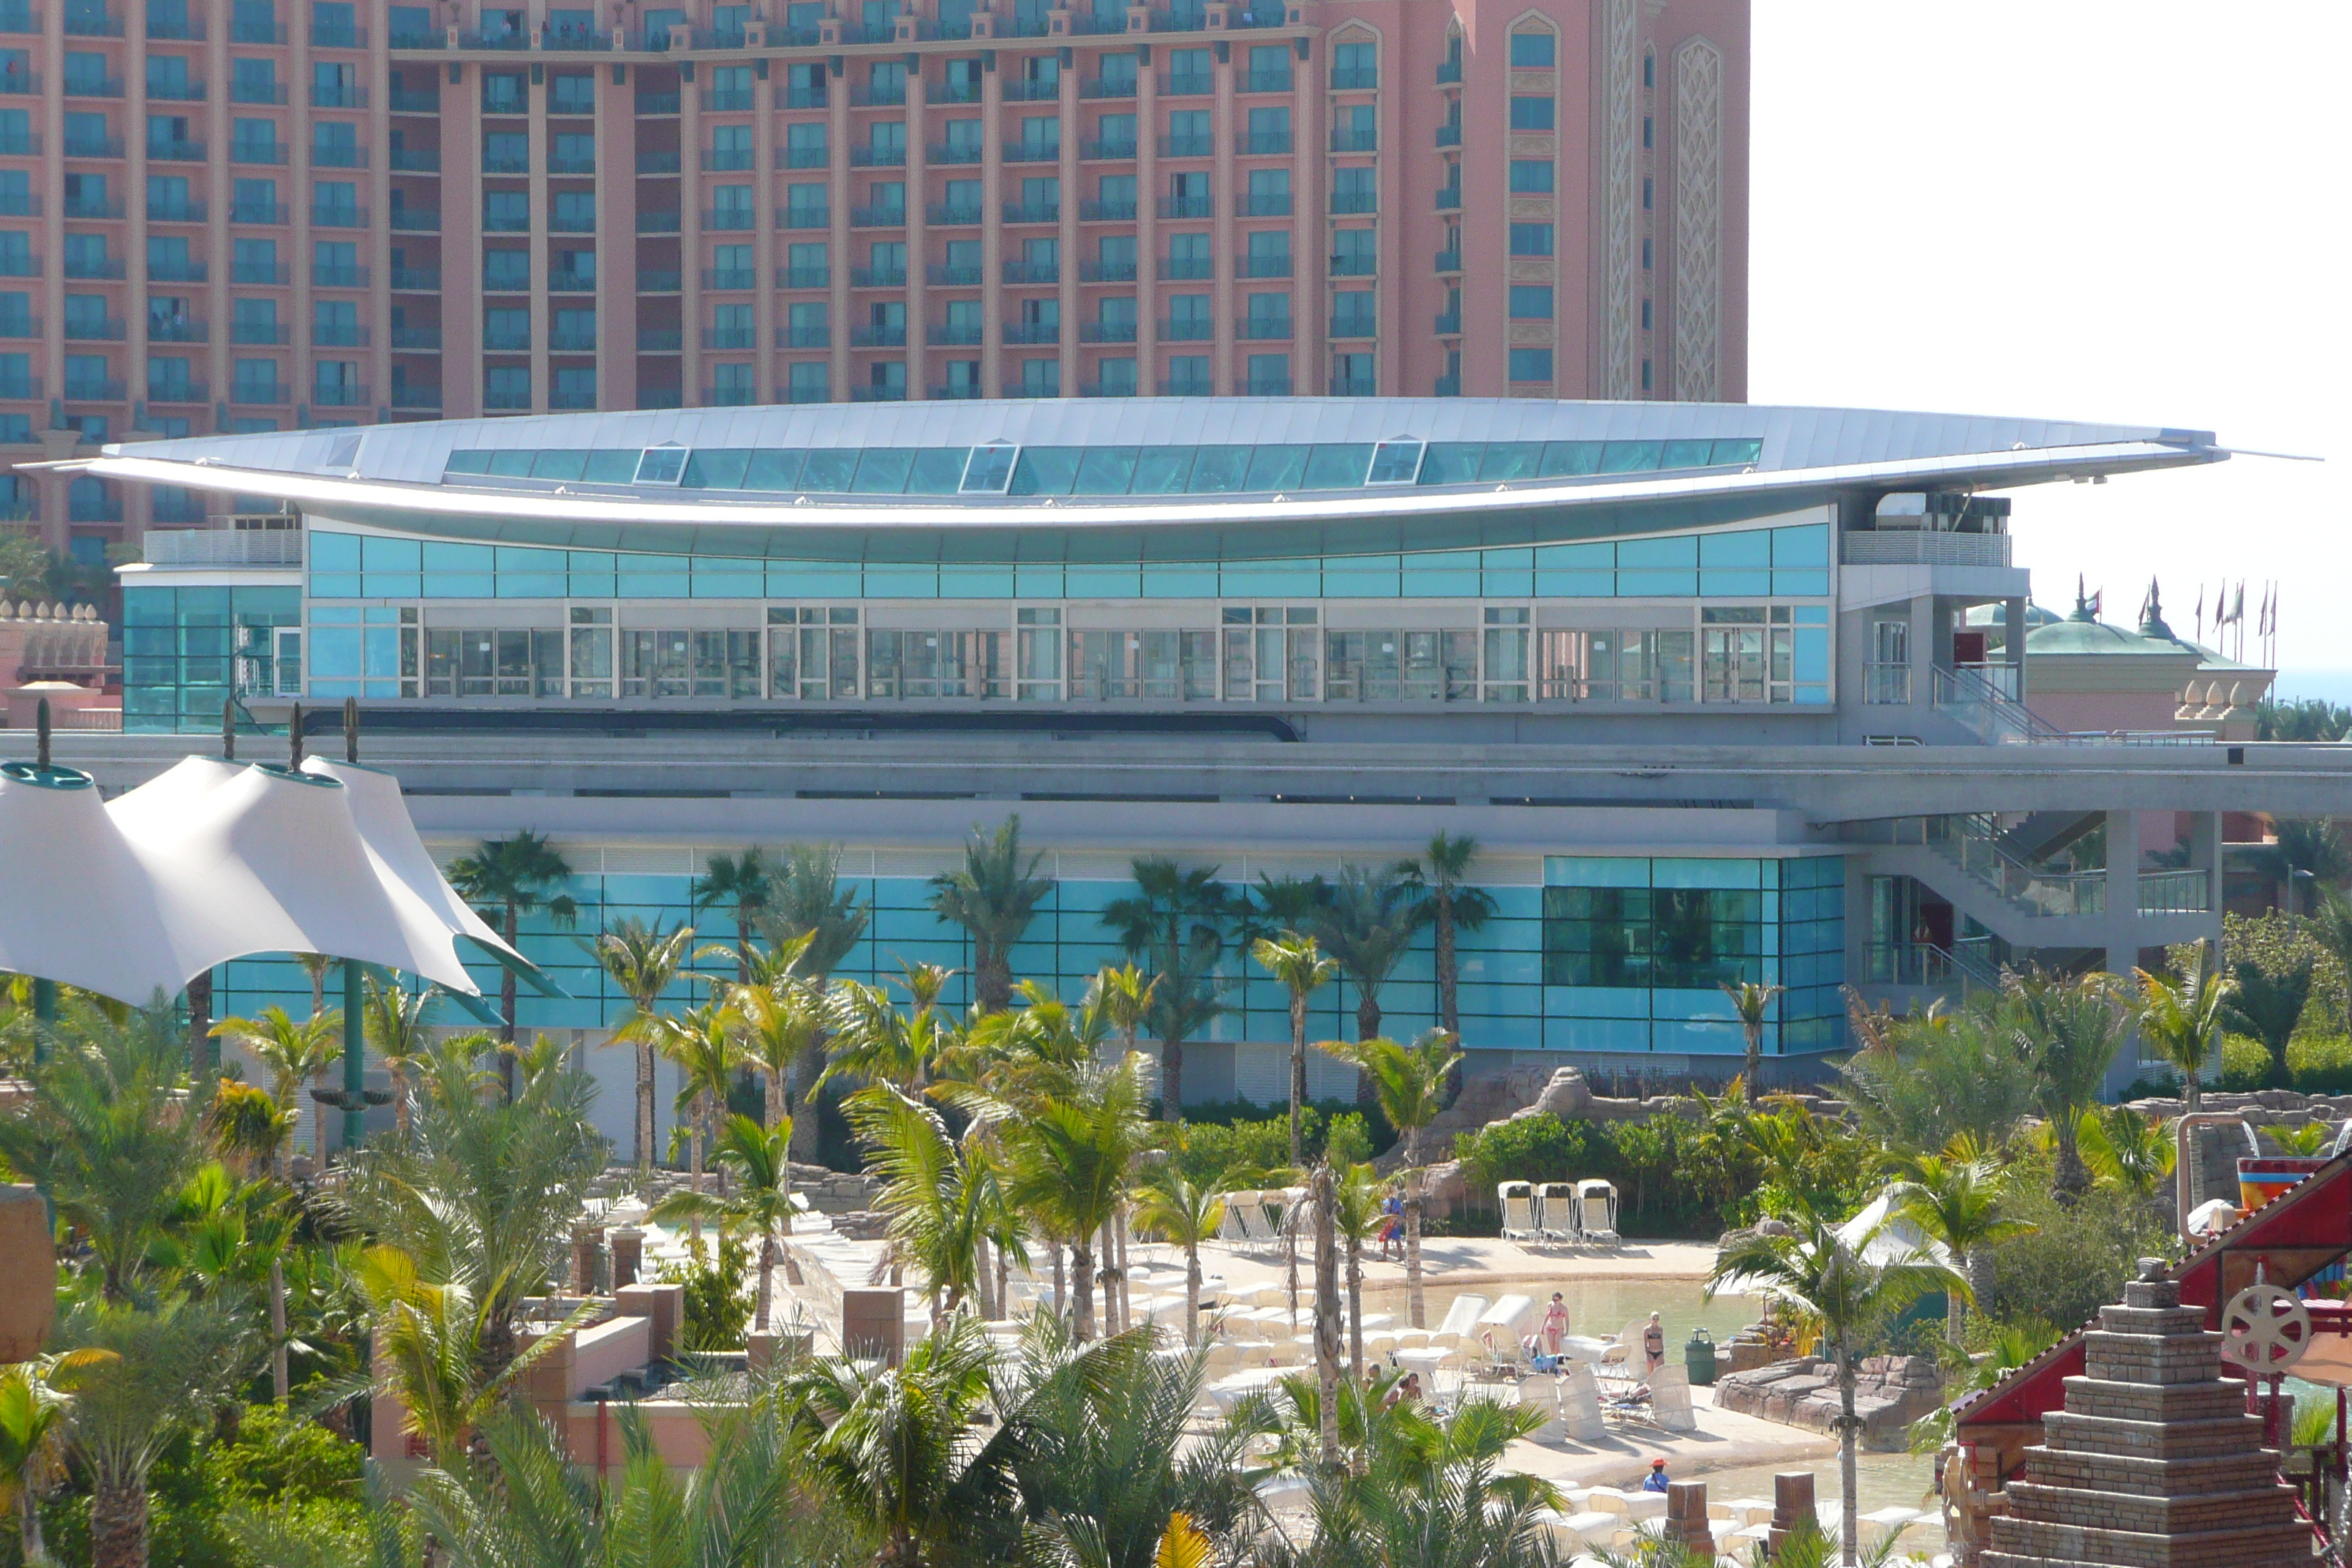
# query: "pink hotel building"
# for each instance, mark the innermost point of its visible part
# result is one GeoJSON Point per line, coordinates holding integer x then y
{"type": "Point", "coordinates": [252, 215]}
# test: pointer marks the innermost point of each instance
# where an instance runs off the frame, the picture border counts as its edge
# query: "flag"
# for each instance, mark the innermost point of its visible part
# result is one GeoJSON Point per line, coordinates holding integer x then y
{"type": "Point", "coordinates": [2238, 609]}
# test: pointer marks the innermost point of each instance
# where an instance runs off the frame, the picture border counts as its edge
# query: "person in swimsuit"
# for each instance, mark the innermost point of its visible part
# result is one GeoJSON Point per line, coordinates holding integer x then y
{"type": "Point", "coordinates": [1555, 1323]}
{"type": "Point", "coordinates": [1654, 1343]}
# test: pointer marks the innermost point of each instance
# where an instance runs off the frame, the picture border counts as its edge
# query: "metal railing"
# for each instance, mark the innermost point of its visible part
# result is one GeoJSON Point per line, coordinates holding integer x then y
{"type": "Point", "coordinates": [224, 547]}
{"type": "Point", "coordinates": [1886, 685]}
{"type": "Point", "coordinates": [1921, 547]}
{"type": "Point", "coordinates": [414, 160]}
{"type": "Point", "coordinates": [1967, 963]}
{"type": "Point", "coordinates": [1971, 841]}
{"type": "Point", "coordinates": [2187, 892]}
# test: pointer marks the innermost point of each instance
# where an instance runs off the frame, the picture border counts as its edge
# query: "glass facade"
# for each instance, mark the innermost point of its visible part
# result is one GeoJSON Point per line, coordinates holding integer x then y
{"type": "Point", "coordinates": [1745, 563]}
{"type": "Point", "coordinates": [185, 651]}
{"type": "Point", "coordinates": [1638, 948]}
{"type": "Point", "coordinates": [1773, 920]}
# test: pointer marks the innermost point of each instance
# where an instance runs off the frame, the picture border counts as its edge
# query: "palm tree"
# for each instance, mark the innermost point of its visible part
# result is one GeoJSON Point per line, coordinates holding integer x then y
{"type": "Point", "coordinates": [643, 962]}
{"type": "Point", "coordinates": [159, 1371]}
{"type": "Point", "coordinates": [1454, 906]}
{"type": "Point", "coordinates": [811, 902]}
{"type": "Point", "coordinates": [1367, 927]}
{"type": "Point", "coordinates": [395, 1023]}
{"type": "Point", "coordinates": [1408, 1082]}
{"type": "Point", "coordinates": [1752, 1004]}
{"type": "Point", "coordinates": [1302, 970]}
{"type": "Point", "coordinates": [2269, 1007]}
{"type": "Point", "coordinates": [761, 1203]}
{"type": "Point", "coordinates": [874, 1042]}
{"type": "Point", "coordinates": [1174, 923]}
{"type": "Point", "coordinates": [507, 878]}
{"type": "Point", "coordinates": [1814, 1273]}
{"type": "Point", "coordinates": [1278, 905]}
{"type": "Point", "coordinates": [2132, 1151]}
{"type": "Point", "coordinates": [942, 1193]}
{"type": "Point", "coordinates": [108, 1135]}
{"type": "Point", "coordinates": [248, 1131]}
{"type": "Point", "coordinates": [2179, 1022]}
{"type": "Point", "coordinates": [431, 1343]}
{"type": "Point", "coordinates": [1358, 1218]}
{"type": "Point", "coordinates": [1177, 1210]}
{"type": "Point", "coordinates": [33, 1414]}
{"type": "Point", "coordinates": [1956, 1199]}
{"type": "Point", "coordinates": [993, 895]}
{"type": "Point", "coordinates": [2069, 1030]}
{"type": "Point", "coordinates": [702, 1043]}
{"type": "Point", "coordinates": [745, 884]}
{"type": "Point", "coordinates": [776, 1025]}
{"type": "Point", "coordinates": [1122, 995]}
{"type": "Point", "coordinates": [1323, 1192]}
{"type": "Point", "coordinates": [2311, 848]}
{"type": "Point", "coordinates": [1070, 1152]}
{"type": "Point", "coordinates": [293, 1053]}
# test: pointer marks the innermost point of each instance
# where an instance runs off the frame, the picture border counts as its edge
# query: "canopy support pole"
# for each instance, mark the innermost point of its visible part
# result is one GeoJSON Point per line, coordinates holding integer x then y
{"type": "Point", "coordinates": [354, 1056]}
{"type": "Point", "coordinates": [45, 1016]}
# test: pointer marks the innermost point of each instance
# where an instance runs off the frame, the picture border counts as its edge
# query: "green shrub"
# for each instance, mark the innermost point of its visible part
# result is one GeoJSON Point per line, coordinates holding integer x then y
{"type": "Point", "coordinates": [2316, 1064]}
{"type": "Point", "coordinates": [717, 1313]}
{"type": "Point", "coordinates": [2080, 1258]}
{"type": "Point", "coordinates": [1239, 1137]}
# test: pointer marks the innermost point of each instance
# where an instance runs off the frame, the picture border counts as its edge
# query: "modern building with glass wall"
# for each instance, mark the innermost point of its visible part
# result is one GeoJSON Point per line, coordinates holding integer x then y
{"type": "Point", "coordinates": [1702, 679]}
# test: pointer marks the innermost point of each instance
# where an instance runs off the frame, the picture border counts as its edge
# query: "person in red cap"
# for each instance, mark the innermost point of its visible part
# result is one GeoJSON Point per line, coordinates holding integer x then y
{"type": "Point", "coordinates": [1657, 1481]}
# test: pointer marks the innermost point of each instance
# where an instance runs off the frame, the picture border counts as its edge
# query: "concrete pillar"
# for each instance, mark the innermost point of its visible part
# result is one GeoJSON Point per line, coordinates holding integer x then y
{"type": "Point", "coordinates": [2122, 889]}
{"type": "Point", "coordinates": [28, 1289]}
{"type": "Point", "coordinates": [2013, 640]}
{"type": "Point", "coordinates": [628, 1255]}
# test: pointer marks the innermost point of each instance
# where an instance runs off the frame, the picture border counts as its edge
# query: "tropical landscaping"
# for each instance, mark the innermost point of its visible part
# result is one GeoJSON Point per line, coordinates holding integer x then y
{"type": "Point", "coordinates": [234, 1304]}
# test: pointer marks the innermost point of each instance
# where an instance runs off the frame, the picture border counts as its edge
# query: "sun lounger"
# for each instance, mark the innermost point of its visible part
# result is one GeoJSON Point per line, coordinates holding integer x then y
{"type": "Point", "coordinates": [1578, 1396]}
{"type": "Point", "coordinates": [1230, 1228]}
{"type": "Point", "coordinates": [1596, 1213]}
{"type": "Point", "coordinates": [1627, 1350]}
{"type": "Point", "coordinates": [1518, 1200]}
{"type": "Point", "coordinates": [1556, 1213]}
{"type": "Point", "coordinates": [1670, 1399]}
{"type": "Point", "coordinates": [1257, 1235]}
{"type": "Point", "coordinates": [1460, 1318]}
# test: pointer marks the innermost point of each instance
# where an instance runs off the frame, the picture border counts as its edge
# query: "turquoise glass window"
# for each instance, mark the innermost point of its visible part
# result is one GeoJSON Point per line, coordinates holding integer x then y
{"type": "Point", "coordinates": [1683, 455]}
{"type": "Point", "coordinates": [472, 462]}
{"type": "Point", "coordinates": [1510, 461]}
{"type": "Point", "coordinates": [1275, 468]}
{"type": "Point", "coordinates": [1566, 458]}
{"type": "Point", "coordinates": [1107, 470]}
{"type": "Point", "coordinates": [716, 468]}
{"type": "Point", "coordinates": [1451, 462]}
{"type": "Point", "coordinates": [334, 553]}
{"type": "Point", "coordinates": [562, 465]}
{"type": "Point", "coordinates": [1337, 466]}
{"type": "Point", "coordinates": [511, 464]}
{"type": "Point", "coordinates": [938, 471]}
{"type": "Point", "coordinates": [1046, 471]}
{"type": "Point", "coordinates": [1630, 457]}
{"type": "Point", "coordinates": [883, 470]}
{"type": "Point", "coordinates": [1161, 471]}
{"type": "Point", "coordinates": [1739, 450]}
{"type": "Point", "coordinates": [827, 470]}
{"type": "Point", "coordinates": [1218, 469]}
{"type": "Point", "coordinates": [612, 467]}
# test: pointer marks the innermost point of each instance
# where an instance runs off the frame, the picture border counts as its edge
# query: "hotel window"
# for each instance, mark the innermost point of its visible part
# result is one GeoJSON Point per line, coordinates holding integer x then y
{"type": "Point", "coordinates": [1040, 378]}
{"type": "Point", "coordinates": [494, 663]}
{"type": "Point", "coordinates": [1531, 365]}
{"type": "Point", "coordinates": [812, 653]}
{"type": "Point", "coordinates": [1506, 664]}
{"type": "Point", "coordinates": [1399, 666]}
{"type": "Point", "coordinates": [1533, 50]}
{"type": "Point", "coordinates": [1531, 177]}
{"type": "Point", "coordinates": [808, 380]}
{"type": "Point", "coordinates": [1531, 113]}
{"type": "Point", "coordinates": [1613, 666]}
{"type": "Point", "coordinates": [1154, 665]}
{"type": "Point", "coordinates": [1531, 239]}
{"type": "Point", "coordinates": [1532, 302]}
{"type": "Point", "coordinates": [690, 663]}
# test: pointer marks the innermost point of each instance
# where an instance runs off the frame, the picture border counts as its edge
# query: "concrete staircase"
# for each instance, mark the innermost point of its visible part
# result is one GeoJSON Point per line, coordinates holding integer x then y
{"type": "Point", "coordinates": [2154, 1462]}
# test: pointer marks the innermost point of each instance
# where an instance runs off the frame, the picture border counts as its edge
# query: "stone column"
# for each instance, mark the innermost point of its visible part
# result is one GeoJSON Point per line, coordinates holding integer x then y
{"type": "Point", "coordinates": [628, 1255]}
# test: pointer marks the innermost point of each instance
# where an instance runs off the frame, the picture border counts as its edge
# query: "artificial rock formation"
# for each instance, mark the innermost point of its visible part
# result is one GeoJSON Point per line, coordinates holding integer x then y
{"type": "Point", "coordinates": [2154, 1462]}
{"type": "Point", "coordinates": [1890, 1393]}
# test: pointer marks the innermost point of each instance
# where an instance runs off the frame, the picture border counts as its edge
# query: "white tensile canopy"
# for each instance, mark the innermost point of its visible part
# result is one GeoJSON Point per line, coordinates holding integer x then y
{"type": "Point", "coordinates": [213, 860]}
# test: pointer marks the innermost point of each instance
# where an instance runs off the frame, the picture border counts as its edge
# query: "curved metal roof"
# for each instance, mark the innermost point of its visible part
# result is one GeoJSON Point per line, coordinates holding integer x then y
{"type": "Point", "coordinates": [391, 476]}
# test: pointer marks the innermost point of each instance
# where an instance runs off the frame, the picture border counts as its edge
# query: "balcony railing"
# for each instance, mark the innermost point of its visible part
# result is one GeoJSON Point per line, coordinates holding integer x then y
{"type": "Point", "coordinates": [953, 391]}
{"type": "Point", "coordinates": [415, 220]}
{"type": "Point", "coordinates": [886, 216]}
{"type": "Point", "coordinates": [261, 93]}
{"type": "Point", "coordinates": [877, 277]}
{"type": "Point", "coordinates": [578, 340]}
{"type": "Point", "coordinates": [1355, 386]}
{"type": "Point", "coordinates": [1106, 271]}
{"type": "Point", "coordinates": [1186, 268]}
{"type": "Point", "coordinates": [660, 340]}
{"type": "Point", "coordinates": [258, 335]}
{"type": "Point", "coordinates": [1449, 261]}
{"type": "Point", "coordinates": [650, 281]}
{"type": "Point", "coordinates": [819, 336]}
{"type": "Point", "coordinates": [1186, 386]}
{"type": "Point", "coordinates": [338, 95]}
{"type": "Point", "coordinates": [1355, 141]}
{"type": "Point", "coordinates": [101, 331]}
{"type": "Point", "coordinates": [1886, 685]}
{"type": "Point", "coordinates": [954, 335]}
{"type": "Point", "coordinates": [1187, 206]}
{"type": "Point", "coordinates": [1261, 265]}
{"type": "Point", "coordinates": [1032, 212]}
{"type": "Point", "coordinates": [1262, 81]}
{"type": "Point", "coordinates": [94, 267]}
{"type": "Point", "coordinates": [1921, 547]}
{"type": "Point", "coordinates": [421, 397]}
{"type": "Point", "coordinates": [178, 391]}
{"type": "Point", "coordinates": [408, 101]}
{"type": "Point", "coordinates": [338, 36]}
{"type": "Point", "coordinates": [506, 340]}
{"type": "Point", "coordinates": [413, 161]}
{"type": "Point", "coordinates": [1267, 387]}
{"type": "Point", "coordinates": [574, 163]}
{"type": "Point", "coordinates": [93, 389]}
{"type": "Point", "coordinates": [1365, 265]}
{"type": "Point", "coordinates": [1033, 272]}
{"type": "Point", "coordinates": [1262, 204]}
{"type": "Point", "coordinates": [804, 217]}
{"type": "Point", "coordinates": [729, 278]}
{"type": "Point", "coordinates": [1355, 326]}
{"type": "Point", "coordinates": [1033, 332]}
{"type": "Point", "coordinates": [725, 159]}
{"type": "Point", "coordinates": [891, 336]}
{"type": "Point", "coordinates": [803, 276]}
{"type": "Point", "coordinates": [414, 279]}
{"type": "Point", "coordinates": [571, 397]}
{"type": "Point", "coordinates": [338, 335]}
{"type": "Point", "coordinates": [1447, 324]}
{"type": "Point", "coordinates": [1355, 78]}
{"type": "Point", "coordinates": [328, 275]}
{"type": "Point", "coordinates": [416, 338]}
{"type": "Point", "coordinates": [1106, 332]}
{"type": "Point", "coordinates": [339, 216]}
{"type": "Point", "coordinates": [1265, 328]}
{"type": "Point", "coordinates": [1260, 144]}
{"type": "Point", "coordinates": [719, 219]}
{"type": "Point", "coordinates": [1033, 151]}
{"type": "Point", "coordinates": [872, 157]}
{"type": "Point", "coordinates": [223, 547]}
{"type": "Point", "coordinates": [954, 215]}
{"type": "Point", "coordinates": [954, 275]}
{"type": "Point", "coordinates": [1188, 329]}
{"type": "Point", "coordinates": [175, 92]}
{"type": "Point", "coordinates": [1115, 211]}
{"type": "Point", "coordinates": [1192, 144]}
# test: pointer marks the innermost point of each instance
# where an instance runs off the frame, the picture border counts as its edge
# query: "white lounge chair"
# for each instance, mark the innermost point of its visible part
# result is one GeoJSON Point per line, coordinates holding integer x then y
{"type": "Point", "coordinates": [1461, 1318]}
{"type": "Point", "coordinates": [1596, 1213]}
{"type": "Point", "coordinates": [1579, 1406]}
{"type": "Point", "coordinates": [1230, 1228]}
{"type": "Point", "coordinates": [1259, 1235]}
{"type": "Point", "coordinates": [1670, 1399]}
{"type": "Point", "coordinates": [1518, 1199]}
{"type": "Point", "coordinates": [1556, 1213]}
{"type": "Point", "coordinates": [1627, 1350]}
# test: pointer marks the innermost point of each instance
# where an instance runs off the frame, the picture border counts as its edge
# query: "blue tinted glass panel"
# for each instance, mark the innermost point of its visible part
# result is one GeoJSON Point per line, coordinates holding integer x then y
{"type": "Point", "coordinates": [562, 463]}
{"type": "Point", "coordinates": [608, 466]}
{"type": "Point", "coordinates": [1667, 872]}
{"type": "Point", "coordinates": [1565, 458]}
{"type": "Point", "coordinates": [1195, 581]}
{"type": "Point", "coordinates": [1276, 469]}
{"type": "Point", "coordinates": [728, 579]}
{"type": "Point", "coordinates": [1511, 460]}
{"type": "Point", "coordinates": [1751, 547]}
{"type": "Point", "coordinates": [773, 468]}
{"type": "Point", "coordinates": [1735, 583]}
{"type": "Point", "coordinates": [1162, 471]}
{"type": "Point", "coordinates": [901, 581]}
{"type": "Point", "coordinates": [511, 464]}
{"type": "Point", "coordinates": [1812, 654]}
{"type": "Point", "coordinates": [988, 469]}
{"type": "Point", "coordinates": [1269, 578]}
{"type": "Point", "coordinates": [828, 470]}
{"type": "Point", "coordinates": [1811, 615]}
{"type": "Point", "coordinates": [1657, 585]}
{"type": "Point", "coordinates": [1576, 584]}
{"type": "Point", "coordinates": [1451, 462]}
{"type": "Point", "coordinates": [1685, 455]}
{"type": "Point", "coordinates": [380, 651]}
{"type": "Point", "coordinates": [334, 652]}
{"type": "Point", "coordinates": [1582, 557]}
{"type": "Point", "coordinates": [458, 557]}
{"type": "Point", "coordinates": [655, 577]}
{"type": "Point", "coordinates": [1363, 577]}
{"type": "Point", "coordinates": [1337, 467]}
{"type": "Point", "coordinates": [1506, 584]}
{"type": "Point", "coordinates": [334, 615]}
{"type": "Point", "coordinates": [522, 558]}
{"type": "Point", "coordinates": [1794, 584]}
{"type": "Point", "coordinates": [1037, 582]}
{"type": "Point", "coordinates": [938, 471]}
{"type": "Point", "coordinates": [1218, 469]}
{"type": "Point", "coordinates": [336, 584]}
{"type": "Point", "coordinates": [468, 463]}
{"type": "Point", "coordinates": [975, 582]}
{"type": "Point", "coordinates": [1107, 470]}
{"type": "Point", "coordinates": [1674, 550]}
{"type": "Point", "coordinates": [334, 553]}
{"type": "Point", "coordinates": [1630, 457]}
{"type": "Point", "coordinates": [1046, 471]}
{"type": "Point", "coordinates": [1802, 546]}
{"type": "Point", "coordinates": [1103, 581]}
{"type": "Point", "coordinates": [1595, 871]}
{"type": "Point", "coordinates": [1742, 450]}
{"type": "Point", "coordinates": [717, 469]}
{"type": "Point", "coordinates": [812, 580]}
{"type": "Point", "coordinates": [525, 585]}
{"type": "Point", "coordinates": [883, 470]}
{"type": "Point", "coordinates": [1519, 556]}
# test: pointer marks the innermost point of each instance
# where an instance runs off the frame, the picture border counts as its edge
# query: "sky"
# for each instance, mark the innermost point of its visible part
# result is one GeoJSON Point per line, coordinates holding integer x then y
{"type": "Point", "coordinates": [2083, 209]}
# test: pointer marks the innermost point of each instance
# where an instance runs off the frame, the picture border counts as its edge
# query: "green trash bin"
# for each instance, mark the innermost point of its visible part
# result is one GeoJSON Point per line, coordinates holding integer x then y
{"type": "Point", "coordinates": [1698, 1355]}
